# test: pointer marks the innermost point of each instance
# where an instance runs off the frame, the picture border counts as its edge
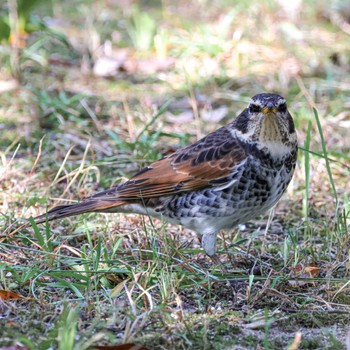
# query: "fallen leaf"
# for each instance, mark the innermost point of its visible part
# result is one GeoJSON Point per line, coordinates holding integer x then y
{"type": "Point", "coordinates": [310, 271]}
{"type": "Point", "coordinates": [107, 66]}
{"type": "Point", "coordinates": [313, 271]}
{"type": "Point", "coordinates": [7, 295]}
{"type": "Point", "coordinates": [298, 269]}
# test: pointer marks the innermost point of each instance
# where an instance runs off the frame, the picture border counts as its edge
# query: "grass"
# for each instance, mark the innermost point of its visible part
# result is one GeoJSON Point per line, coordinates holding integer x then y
{"type": "Point", "coordinates": [109, 279]}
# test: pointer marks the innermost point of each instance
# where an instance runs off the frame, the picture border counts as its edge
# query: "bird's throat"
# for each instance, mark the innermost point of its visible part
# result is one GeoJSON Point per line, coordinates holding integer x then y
{"type": "Point", "coordinates": [270, 130]}
{"type": "Point", "coordinates": [271, 138]}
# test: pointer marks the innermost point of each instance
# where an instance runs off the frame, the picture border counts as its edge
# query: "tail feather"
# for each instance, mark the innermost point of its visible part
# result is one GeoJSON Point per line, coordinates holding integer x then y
{"type": "Point", "coordinates": [87, 206]}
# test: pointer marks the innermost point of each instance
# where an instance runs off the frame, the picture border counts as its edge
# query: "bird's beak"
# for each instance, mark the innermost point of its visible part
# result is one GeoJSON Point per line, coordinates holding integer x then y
{"type": "Point", "coordinates": [270, 109]}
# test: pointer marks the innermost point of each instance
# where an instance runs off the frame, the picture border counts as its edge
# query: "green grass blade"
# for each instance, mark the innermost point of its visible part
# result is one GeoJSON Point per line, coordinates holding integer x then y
{"type": "Point", "coordinates": [37, 233]}
{"type": "Point", "coordinates": [307, 171]}
{"type": "Point", "coordinates": [332, 160]}
{"type": "Point", "coordinates": [162, 109]}
{"type": "Point", "coordinates": [325, 153]}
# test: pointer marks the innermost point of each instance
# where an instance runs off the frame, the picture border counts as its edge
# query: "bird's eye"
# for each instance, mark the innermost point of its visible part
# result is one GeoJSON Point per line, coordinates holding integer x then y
{"type": "Point", "coordinates": [282, 107]}
{"type": "Point", "coordinates": [254, 108]}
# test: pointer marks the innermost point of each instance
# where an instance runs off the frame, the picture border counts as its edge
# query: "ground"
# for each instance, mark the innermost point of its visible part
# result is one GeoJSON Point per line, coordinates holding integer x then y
{"type": "Point", "coordinates": [93, 91]}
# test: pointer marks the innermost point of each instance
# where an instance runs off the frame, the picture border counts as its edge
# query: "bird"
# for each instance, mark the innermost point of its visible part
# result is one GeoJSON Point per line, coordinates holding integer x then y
{"type": "Point", "coordinates": [229, 177]}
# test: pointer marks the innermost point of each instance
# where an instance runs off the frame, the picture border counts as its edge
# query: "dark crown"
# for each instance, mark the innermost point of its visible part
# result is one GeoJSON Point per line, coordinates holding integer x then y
{"type": "Point", "coordinates": [265, 99]}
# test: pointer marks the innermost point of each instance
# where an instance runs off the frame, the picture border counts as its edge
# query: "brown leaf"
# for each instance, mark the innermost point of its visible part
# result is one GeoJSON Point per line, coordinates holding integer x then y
{"type": "Point", "coordinates": [313, 271]}
{"type": "Point", "coordinates": [298, 269]}
{"type": "Point", "coordinates": [7, 295]}
{"type": "Point", "coordinates": [310, 271]}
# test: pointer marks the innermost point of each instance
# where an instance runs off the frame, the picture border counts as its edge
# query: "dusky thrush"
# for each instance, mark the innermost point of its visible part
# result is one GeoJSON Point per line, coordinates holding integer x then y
{"type": "Point", "coordinates": [232, 175]}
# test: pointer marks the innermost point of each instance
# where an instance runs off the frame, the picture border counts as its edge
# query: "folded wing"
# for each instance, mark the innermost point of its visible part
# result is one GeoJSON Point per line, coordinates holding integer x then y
{"type": "Point", "coordinates": [209, 163]}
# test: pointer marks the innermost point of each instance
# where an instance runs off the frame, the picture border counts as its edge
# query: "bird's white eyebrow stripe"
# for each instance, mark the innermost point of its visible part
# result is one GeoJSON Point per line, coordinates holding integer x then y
{"type": "Point", "coordinates": [256, 102]}
{"type": "Point", "coordinates": [281, 101]}
{"type": "Point", "coordinates": [259, 103]}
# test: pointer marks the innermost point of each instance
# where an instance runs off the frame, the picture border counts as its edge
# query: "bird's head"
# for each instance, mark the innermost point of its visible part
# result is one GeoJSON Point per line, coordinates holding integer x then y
{"type": "Point", "coordinates": [267, 121]}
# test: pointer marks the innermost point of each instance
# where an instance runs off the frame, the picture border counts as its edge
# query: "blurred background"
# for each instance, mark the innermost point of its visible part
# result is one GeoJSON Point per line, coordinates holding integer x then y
{"type": "Point", "coordinates": [218, 51]}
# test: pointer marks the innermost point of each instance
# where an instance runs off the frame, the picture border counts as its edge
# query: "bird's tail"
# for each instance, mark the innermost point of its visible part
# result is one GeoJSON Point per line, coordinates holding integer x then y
{"type": "Point", "coordinates": [87, 206]}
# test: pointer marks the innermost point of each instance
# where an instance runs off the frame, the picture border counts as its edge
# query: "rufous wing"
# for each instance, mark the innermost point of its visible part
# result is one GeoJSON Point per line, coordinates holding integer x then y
{"type": "Point", "coordinates": [207, 163]}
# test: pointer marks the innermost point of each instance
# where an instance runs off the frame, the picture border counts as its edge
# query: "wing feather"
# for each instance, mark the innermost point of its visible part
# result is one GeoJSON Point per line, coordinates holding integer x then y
{"type": "Point", "coordinates": [209, 163]}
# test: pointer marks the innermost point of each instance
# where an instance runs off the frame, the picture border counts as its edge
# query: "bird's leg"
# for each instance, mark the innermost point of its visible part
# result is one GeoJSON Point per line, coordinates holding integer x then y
{"type": "Point", "coordinates": [209, 245]}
